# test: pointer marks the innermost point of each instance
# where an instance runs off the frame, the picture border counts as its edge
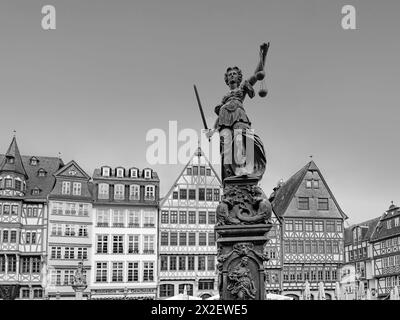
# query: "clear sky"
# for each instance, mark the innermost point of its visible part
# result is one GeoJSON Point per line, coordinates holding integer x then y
{"type": "Point", "coordinates": [112, 70]}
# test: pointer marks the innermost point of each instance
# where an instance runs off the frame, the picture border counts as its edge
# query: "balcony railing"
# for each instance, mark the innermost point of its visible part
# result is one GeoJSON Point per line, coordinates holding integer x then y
{"type": "Point", "coordinates": [133, 225]}
{"type": "Point", "coordinates": [148, 251]}
{"type": "Point", "coordinates": [118, 225]}
{"type": "Point", "coordinates": [148, 225]}
{"type": "Point", "coordinates": [102, 224]}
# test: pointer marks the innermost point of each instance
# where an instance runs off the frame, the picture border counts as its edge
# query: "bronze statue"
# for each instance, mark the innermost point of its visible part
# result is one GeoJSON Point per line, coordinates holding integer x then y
{"type": "Point", "coordinates": [234, 126]}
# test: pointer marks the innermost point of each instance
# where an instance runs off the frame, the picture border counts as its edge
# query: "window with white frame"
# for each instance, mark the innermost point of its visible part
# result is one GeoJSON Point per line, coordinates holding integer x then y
{"type": "Point", "coordinates": [83, 231]}
{"type": "Point", "coordinates": [103, 218]}
{"type": "Point", "coordinates": [69, 230]}
{"type": "Point", "coordinates": [57, 208]}
{"type": "Point", "coordinates": [389, 223]}
{"type": "Point", "coordinates": [134, 173]}
{"type": "Point", "coordinates": [118, 244]}
{"type": "Point", "coordinates": [105, 171]}
{"type": "Point", "coordinates": [101, 271]}
{"type": "Point", "coordinates": [66, 187]}
{"type": "Point", "coordinates": [117, 272]}
{"type": "Point", "coordinates": [147, 173]}
{"type": "Point", "coordinates": [56, 229]}
{"type": "Point", "coordinates": [82, 253]}
{"type": "Point", "coordinates": [148, 271]}
{"type": "Point", "coordinates": [134, 192]}
{"type": "Point", "coordinates": [76, 188]}
{"type": "Point", "coordinates": [133, 244]}
{"type": "Point", "coordinates": [69, 253]}
{"type": "Point", "coordinates": [396, 221]}
{"type": "Point", "coordinates": [148, 219]}
{"type": "Point", "coordinates": [102, 243]}
{"type": "Point", "coordinates": [118, 218]}
{"type": "Point", "coordinates": [149, 193]}
{"type": "Point", "coordinates": [55, 253]}
{"type": "Point", "coordinates": [133, 272]}
{"type": "Point", "coordinates": [133, 219]}
{"type": "Point", "coordinates": [148, 243]}
{"type": "Point", "coordinates": [119, 192]}
{"type": "Point", "coordinates": [69, 277]}
{"type": "Point", "coordinates": [83, 209]}
{"type": "Point", "coordinates": [120, 172]}
{"type": "Point", "coordinates": [103, 192]}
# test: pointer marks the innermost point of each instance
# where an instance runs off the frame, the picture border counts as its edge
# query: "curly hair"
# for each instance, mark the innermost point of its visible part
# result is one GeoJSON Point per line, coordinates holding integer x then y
{"type": "Point", "coordinates": [238, 71]}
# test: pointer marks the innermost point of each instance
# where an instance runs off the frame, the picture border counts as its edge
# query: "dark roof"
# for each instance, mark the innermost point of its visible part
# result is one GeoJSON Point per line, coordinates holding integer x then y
{"type": "Point", "coordinates": [284, 195]}
{"type": "Point", "coordinates": [46, 183]}
{"type": "Point", "coordinates": [381, 231]}
{"type": "Point", "coordinates": [17, 166]}
{"type": "Point", "coordinates": [369, 227]}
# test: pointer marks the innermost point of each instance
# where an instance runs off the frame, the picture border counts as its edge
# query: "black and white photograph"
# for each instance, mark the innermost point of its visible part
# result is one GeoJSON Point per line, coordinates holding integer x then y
{"type": "Point", "coordinates": [222, 151]}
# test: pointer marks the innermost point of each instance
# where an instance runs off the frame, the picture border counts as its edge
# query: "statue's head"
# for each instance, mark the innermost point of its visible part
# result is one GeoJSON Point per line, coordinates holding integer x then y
{"type": "Point", "coordinates": [233, 75]}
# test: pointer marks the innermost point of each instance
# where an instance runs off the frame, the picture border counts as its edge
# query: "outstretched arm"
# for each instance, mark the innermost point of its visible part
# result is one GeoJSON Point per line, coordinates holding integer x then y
{"type": "Point", "coordinates": [260, 66]}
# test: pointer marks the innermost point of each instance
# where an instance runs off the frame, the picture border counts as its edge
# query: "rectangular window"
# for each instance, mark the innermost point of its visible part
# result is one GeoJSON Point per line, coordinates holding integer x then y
{"type": "Point", "coordinates": [192, 239]}
{"type": "Point", "coordinates": [209, 195]}
{"type": "Point", "coordinates": [323, 204]}
{"type": "Point", "coordinates": [202, 171]}
{"type": "Point", "coordinates": [133, 272]}
{"type": "Point", "coordinates": [195, 170]}
{"type": "Point", "coordinates": [173, 239]}
{"type": "Point", "coordinates": [216, 194]}
{"type": "Point", "coordinates": [308, 225]}
{"type": "Point", "coordinates": [76, 188]}
{"type": "Point", "coordinates": [148, 243]}
{"type": "Point", "coordinates": [201, 263]}
{"type": "Point", "coordinates": [286, 245]}
{"type": "Point", "coordinates": [300, 246]}
{"type": "Point", "coordinates": [118, 244]}
{"type": "Point", "coordinates": [14, 210]}
{"type": "Point", "coordinates": [192, 194]}
{"type": "Point", "coordinates": [210, 263]}
{"type": "Point", "coordinates": [83, 231]}
{"type": "Point", "coordinates": [319, 226]}
{"type": "Point", "coordinates": [202, 239]}
{"type": "Point", "coordinates": [202, 194]}
{"type": "Point", "coordinates": [208, 172]}
{"type": "Point", "coordinates": [103, 192]}
{"type": "Point", "coordinates": [308, 184]}
{"type": "Point", "coordinates": [191, 263]}
{"type": "Point", "coordinates": [335, 247]}
{"type": "Point", "coordinates": [164, 263]}
{"type": "Point", "coordinates": [69, 230]}
{"type": "Point", "coordinates": [164, 216]}
{"type": "Point", "coordinates": [134, 192]}
{"type": "Point", "coordinates": [328, 245]}
{"type": "Point", "coordinates": [118, 218]}
{"type": "Point", "coordinates": [314, 248]}
{"type": "Point", "coordinates": [149, 219]}
{"type": "Point", "coordinates": [103, 218]}
{"type": "Point", "coordinates": [182, 239]}
{"type": "Point", "coordinates": [119, 192]}
{"type": "Point", "coordinates": [293, 246]}
{"type": "Point", "coordinates": [315, 184]}
{"type": "Point", "coordinates": [182, 217]}
{"type": "Point", "coordinates": [202, 217]}
{"type": "Point", "coordinates": [183, 194]}
{"type": "Point", "coordinates": [307, 246]}
{"type": "Point", "coordinates": [389, 224]}
{"type": "Point", "coordinates": [66, 187]}
{"type": "Point", "coordinates": [117, 272]}
{"type": "Point", "coordinates": [211, 239]}
{"type": "Point", "coordinates": [13, 237]}
{"type": "Point", "coordinates": [172, 263]}
{"type": "Point", "coordinates": [148, 271]}
{"type": "Point", "coordinates": [69, 253]}
{"type": "Point", "coordinates": [303, 203]}
{"type": "Point", "coordinates": [211, 217]}
{"type": "Point", "coordinates": [321, 247]}
{"type": "Point", "coordinates": [182, 263]}
{"type": "Point", "coordinates": [175, 195]}
{"type": "Point", "coordinates": [289, 225]}
{"type": "Point", "coordinates": [339, 226]}
{"type": "Point", "coordinates": [164, 238]}
{"type": "Point", "coordinates": [298, 225]}
{"type": "Point", "coordinates": [206, 284]}
{"type": "Point", "coordinates": [173, 217]}
{"type": "Point", "coordinates": [82, 254]}
{"type": "Point", "coordinates": [149, 193]}
{"type": "Point", "coordinates": [189, 171]}
{"type": "Point", "coordinates": [101, 271]}
{"type": "Point", "coordinates": [330, 226]}
{"type": "Point", "coordinates": [102, 243]}
{"type": "Point", "coordinates": [133, 219]}
{"type": "Point", "coordinates": [192, 217]}
{"type": "Point", "coordinates": [25, 265]}
{"type": "Point", "coordinates": [133, 243]}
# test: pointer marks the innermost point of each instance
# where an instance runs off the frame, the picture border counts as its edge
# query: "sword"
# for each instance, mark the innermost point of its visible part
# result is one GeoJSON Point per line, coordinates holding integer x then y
{"type": "Point", "coordinates": [200, 107]}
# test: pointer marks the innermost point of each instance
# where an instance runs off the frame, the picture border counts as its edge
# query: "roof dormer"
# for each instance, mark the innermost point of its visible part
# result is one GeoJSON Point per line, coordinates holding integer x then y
{"type": "Point", "coordinates": [33, 161]}
{"type": "Point", "coordinates": [133, 172]}
{"type": "Point", "coordinates": [120, 172]}
{"type": "Point", "coordinates": [147, 173]}
{"type": "Point", "coordinates": [41, 172]}
{"type": "Point", "coordinates": [105, 171]}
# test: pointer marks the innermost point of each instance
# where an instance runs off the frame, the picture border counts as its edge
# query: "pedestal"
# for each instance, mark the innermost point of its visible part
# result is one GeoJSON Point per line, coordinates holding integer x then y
{"type": "Point", "coordinates": [79, 291]}
{"type": "Point", "coordinates": [243, 222]}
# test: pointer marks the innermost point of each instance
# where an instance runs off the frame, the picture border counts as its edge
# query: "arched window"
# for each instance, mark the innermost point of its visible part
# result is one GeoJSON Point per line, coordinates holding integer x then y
{"type": "Point", "coordinates": [105, 171]}
{"type": "Point", "coordinates": [103, 191]}
{"type": "Point", "coordinates": [134, 192]}
{"type": "Point", "coordinates": [134, 173]}
{"type": "Point", "coordinates": [120, 172]}
{"type": "Point", "coordinates": [147, 173]}
{"type": "Point", "coordinates": [167, 290]}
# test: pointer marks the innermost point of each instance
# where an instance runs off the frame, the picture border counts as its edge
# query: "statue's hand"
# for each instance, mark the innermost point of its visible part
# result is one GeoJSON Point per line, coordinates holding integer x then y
{"type": "Point", "coordinates": [210, 133]}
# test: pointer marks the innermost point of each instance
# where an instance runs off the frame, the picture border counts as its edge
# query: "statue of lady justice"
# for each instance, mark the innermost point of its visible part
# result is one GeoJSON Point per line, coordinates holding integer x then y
{"type": "Point", "coordinates": [235, 127]}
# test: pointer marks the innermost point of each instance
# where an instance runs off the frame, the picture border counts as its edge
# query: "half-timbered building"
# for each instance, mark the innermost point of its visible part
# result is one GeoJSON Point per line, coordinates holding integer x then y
{"type": "Point", "coordinates": [25, 182]}
{"type": "Point", "coordinates": [70, 231]}
{"type": "Point", "coordinates": [125, 238]}
{"type": "Point", "coordinates": [312, 232]}
{"type": "Point", "coordinates": [385, 242]}
{"type": "Point", "coordinates": [358, 264]}
{"type": "Point", "coordinates": [187, 238]}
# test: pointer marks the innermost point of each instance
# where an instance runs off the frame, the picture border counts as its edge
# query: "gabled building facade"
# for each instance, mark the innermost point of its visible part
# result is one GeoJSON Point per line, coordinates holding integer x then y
{"type": "Point", "coordinates": [70, 231]}
{"type": "Point", "coordinates": [385, 241]}
{"type": "Point", "coordinates": [358, 259]}
{"type": "Point", "coordinates": [25, 182]}
{"type": "Point", "coordinates": [312, 232]}
{"type": "Point", "coordinates": [187, 238]}
{"type": "Point", "coordinates": [125, 238]}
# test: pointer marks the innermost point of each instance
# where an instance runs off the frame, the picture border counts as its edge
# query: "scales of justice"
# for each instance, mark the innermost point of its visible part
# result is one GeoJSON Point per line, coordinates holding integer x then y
{"type": "Point", "coordinates": [244, 213]}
